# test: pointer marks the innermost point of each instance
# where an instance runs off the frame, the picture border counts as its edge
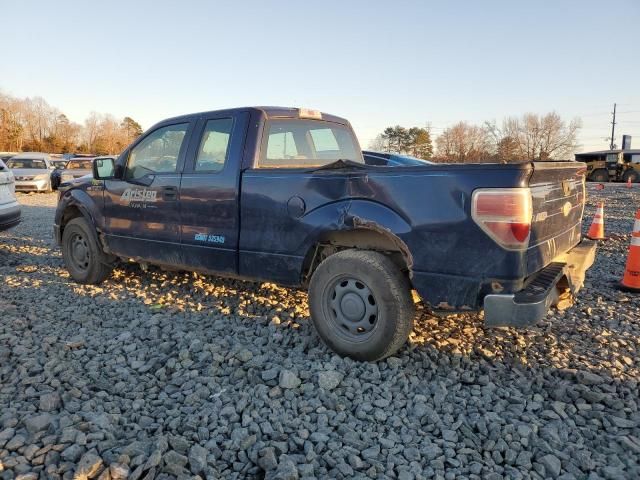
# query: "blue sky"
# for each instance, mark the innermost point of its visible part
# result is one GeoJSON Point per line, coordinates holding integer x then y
{"type": "Point", "coordinates": [376, 63]}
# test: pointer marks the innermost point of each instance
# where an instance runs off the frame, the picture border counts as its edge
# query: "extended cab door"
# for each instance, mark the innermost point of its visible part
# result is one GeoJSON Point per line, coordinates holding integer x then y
{"type": "Point", "coordinates": [142, 215]}
{"type": "Point", "coordinates": [209, 193]}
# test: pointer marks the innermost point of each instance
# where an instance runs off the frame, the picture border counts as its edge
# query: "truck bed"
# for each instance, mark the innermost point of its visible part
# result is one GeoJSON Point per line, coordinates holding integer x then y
{"type": "Point", "coordinates": [428, 208]}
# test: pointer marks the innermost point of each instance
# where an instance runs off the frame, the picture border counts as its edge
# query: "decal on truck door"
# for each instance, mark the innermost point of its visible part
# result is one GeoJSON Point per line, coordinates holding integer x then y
{"type": "Point", "coordinates": [139, 197]}
{"type": "Point", "coordinates": [203, 237]}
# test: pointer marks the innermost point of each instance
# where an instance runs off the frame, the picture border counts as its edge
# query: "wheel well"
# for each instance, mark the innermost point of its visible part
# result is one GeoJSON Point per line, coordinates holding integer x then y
{"type": "Point", "coordinates": [69, 214]}
{"type": "Point", "coordinates": [376, 239]}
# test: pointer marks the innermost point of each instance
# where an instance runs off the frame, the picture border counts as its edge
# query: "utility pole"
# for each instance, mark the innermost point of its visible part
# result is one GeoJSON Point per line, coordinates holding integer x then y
{"type": "Point", "coordinates": [613, 128]}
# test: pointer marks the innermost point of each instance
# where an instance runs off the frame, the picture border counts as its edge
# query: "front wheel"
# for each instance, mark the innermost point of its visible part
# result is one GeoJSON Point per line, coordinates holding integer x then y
{"type": "Point", "coordinates": [361, 304]}
{"type": "Point", "coordinates": [83, 257]}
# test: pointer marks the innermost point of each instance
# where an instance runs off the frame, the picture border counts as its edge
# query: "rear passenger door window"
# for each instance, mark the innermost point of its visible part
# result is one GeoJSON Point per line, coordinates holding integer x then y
{"type": "Point", "coordinates": [214, 145]}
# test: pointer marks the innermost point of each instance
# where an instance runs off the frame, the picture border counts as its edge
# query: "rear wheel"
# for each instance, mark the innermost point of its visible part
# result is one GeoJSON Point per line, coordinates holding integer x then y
{"type": "Point", "coordinates": [83, 257]}
{"type": "Point", "coordinates": [600, 176]}
{"type": "Point", "coordinates": [361, 304]}
{"type": "Point", "coordinates": [631, 175]}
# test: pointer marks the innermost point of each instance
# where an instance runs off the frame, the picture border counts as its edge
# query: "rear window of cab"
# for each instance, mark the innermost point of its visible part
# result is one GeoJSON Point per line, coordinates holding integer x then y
{"type": "Point", "coordinates": [292, 143]}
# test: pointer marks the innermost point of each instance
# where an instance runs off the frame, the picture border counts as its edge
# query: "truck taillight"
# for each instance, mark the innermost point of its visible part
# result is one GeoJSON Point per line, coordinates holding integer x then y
{"type": "Point", "coordinates": [504, 214]}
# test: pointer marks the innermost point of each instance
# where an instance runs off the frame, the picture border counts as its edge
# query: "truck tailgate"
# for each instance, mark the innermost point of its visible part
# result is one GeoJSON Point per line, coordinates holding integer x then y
{"type": "Point", "coordinates": [558, 197]}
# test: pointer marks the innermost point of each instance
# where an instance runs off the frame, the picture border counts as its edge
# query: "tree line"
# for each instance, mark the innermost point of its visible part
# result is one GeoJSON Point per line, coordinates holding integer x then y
{"type": "Point", "coordinates": [31, 124]}
{"type": "Point", "coordinates": [526, 138]}
{"type": "Point", "coordinates": [413, 141]}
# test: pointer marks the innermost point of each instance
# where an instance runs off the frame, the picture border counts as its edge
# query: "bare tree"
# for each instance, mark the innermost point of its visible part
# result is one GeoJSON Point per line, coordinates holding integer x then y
{"type": "Point", "coordinates": [111, 137]}
{"type": "Point", "coordinates": [37, 117]}
{"type": "Point", "coordinates": [33, 124]}
{"type": "Point", "coordinates": [90, 131]}
{"type": "Point", "coordinates": [540, 137]}
{"type": "Point", "coordinates": [464, 143]}
{"type": "Point", "coordinates": [11, 125]}
{"type": "Point", "coordinates": [378, 144]}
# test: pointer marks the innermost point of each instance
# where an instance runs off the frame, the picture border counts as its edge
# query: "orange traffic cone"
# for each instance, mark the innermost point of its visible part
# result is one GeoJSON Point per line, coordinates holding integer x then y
{"type": "Point", "coordinates": [596, 231]}
{"type": "Point", "coordinates": [631, 279]}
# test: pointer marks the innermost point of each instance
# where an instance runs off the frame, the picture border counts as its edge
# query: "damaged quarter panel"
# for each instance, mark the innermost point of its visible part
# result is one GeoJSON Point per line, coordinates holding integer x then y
{"type": "Point", "coordinates": [276, 237]}
{"type": "Point", "coordinates": [428, 210]}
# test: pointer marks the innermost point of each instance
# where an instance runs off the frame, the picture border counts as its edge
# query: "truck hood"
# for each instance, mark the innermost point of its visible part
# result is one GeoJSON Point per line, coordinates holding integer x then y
{"type": "Point", "coordinates": [83, 181]}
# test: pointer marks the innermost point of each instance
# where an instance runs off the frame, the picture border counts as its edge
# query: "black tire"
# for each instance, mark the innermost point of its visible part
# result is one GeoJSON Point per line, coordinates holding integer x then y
{"type": "Point", "coordinates": [600, 175]}
{"type": "Point", "coordinates": [82, 255]}
{"type": "Point", "coordinates": [361, 304]}
{"type": "Point", "coordinates": [631, 174]}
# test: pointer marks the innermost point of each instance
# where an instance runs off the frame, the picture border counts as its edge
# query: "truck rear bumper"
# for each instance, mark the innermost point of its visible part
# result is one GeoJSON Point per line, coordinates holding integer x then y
{"type": "Point", "coordinates": [529, 305]}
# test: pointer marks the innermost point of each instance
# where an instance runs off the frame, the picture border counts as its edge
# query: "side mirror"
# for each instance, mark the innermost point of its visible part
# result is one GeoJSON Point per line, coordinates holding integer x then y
{"type": "Point", "coordinates": [104, 169]}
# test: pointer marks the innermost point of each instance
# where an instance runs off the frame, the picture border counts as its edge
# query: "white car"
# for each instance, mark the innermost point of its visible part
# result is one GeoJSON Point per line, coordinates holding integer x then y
{"type": "Point", "coordinates": [9, 208]}
{"type": "Point", "coordinates": [32, 171]}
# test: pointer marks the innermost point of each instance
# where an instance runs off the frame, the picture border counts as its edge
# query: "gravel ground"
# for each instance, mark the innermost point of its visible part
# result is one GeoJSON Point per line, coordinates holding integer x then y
{"type": "Point", "coordinates": [159, 375]}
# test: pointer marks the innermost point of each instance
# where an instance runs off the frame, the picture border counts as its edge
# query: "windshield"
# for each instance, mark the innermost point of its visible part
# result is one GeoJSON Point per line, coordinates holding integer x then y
{"type": "Point", "coordinates": [307, 143]}
{"type": "Point", "coordinates": [79, 165]}
{"type": "Point", "coordinates": [26, 163]}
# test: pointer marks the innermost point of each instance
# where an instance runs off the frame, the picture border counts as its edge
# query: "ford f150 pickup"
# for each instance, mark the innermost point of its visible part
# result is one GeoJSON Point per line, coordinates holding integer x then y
{"type": "Point", "coordinates": [283, 195]}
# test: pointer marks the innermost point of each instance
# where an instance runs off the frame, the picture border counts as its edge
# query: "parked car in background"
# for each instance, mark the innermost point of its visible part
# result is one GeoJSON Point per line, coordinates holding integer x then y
{"type": "Point", "coordinates": [385, 159]}
{"type": "Point", "coordinates": [284, 195]}
{"type": "Point", "coordinates": [32, 171]}
{"type": "Point", "coordinates": [9, 208]}
{"type": "Point", "coordinates": [58, 165]}
{"type": "Point", "coordinates": [76, 168]}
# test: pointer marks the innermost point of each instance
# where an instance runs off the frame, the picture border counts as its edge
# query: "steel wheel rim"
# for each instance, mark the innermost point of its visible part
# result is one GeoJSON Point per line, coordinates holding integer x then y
{"type": "Point", "coordinates": [352, 308]}
{"type": "Point", "coordinates": [79, 252]}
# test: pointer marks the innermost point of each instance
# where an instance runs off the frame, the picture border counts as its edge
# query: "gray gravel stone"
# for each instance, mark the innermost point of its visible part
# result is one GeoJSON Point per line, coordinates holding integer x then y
{"type": "Point", "coordinates": [88, 466]}
{"type": "Point", "coordinates": [72, 453]}
{"type": "Point", "coordinates": [197, 459]}
{"type": "Point", "coordinates": [268, 460]}
{"type": "Point", "coordinates": [589, 378]}
{"type": "Point", "coordinates": [286, 470]}
{"type": "Point", "coordinates": [37, 423]}
{"type": "Point", "coordinates": [27, 476]}
{"type": "Point", "coordinates": [329, 379]}
{"type": "Point", "coordinates": [289, 379]}
{"type": "Point", "coordinates": [551, 464]}
{"type": "Point", "coordinates": [118, 471]}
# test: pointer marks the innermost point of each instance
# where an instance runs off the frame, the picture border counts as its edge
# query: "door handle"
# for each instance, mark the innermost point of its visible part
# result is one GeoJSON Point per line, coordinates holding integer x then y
{"type": "Point", "coordinates": [170, 193]}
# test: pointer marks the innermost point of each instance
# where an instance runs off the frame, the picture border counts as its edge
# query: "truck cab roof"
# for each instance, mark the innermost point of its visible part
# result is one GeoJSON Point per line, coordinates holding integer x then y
{"type": "Point", "coordinates": [270, 112]}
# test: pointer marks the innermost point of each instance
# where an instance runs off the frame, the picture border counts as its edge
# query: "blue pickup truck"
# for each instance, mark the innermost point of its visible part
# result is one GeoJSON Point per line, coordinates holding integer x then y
{"type": "Point", "coordinates": [284, 195]}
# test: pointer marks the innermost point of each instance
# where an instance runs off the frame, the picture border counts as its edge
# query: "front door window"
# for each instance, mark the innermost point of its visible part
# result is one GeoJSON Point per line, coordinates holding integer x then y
{"type": "Point", "coordinates": [157, 153]}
